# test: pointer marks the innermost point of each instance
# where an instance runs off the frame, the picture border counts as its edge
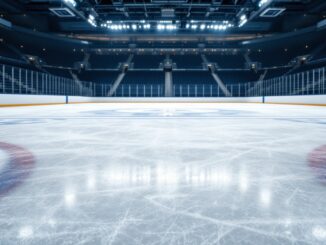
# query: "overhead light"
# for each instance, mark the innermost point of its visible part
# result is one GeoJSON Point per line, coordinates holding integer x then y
{"type": "Point", "coordinates": [70, 2]}
{"type": "Point", "coordinates": [147, 26]}
{"type": "Point", "coordinates": [91, 20]}
{"type": "Point", "coordinates": [160, 27]}
{"type": "Point", "coordinates": [165, 22]}
{"type": "Point", "coordinates": [62, 12]}
{"type": "Point", "coordinates": [243, 20]}
{"type": "Point", "coordinates": [272, 12]}
{"type": "Point", "coordinates": [263, 2]}
{"type": "Point", "coordinates": [134, 27]}
{"type": "Point", "coordinates": [167, 13]}
{"type": "Point", "coordinates": [168, 27]}
{"type": "Point", "coordinates": [202, 27]}
{"type": "Point", "coordinates": [171, 27]}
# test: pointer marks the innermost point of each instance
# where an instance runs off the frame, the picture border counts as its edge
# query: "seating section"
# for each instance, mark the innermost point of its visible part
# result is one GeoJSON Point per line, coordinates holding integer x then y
{"type": "Point", "coordinates": [192, 77]}
{"type": "Point", "coordinates": [228, 61]}
{"type": "Point", "coordinates": [194, 84]}
{"type": "Point", "coordinates": [59, 72]}
{"type": "Point", "coordinates": [107, 61]}
{"type": "Point", "coordinates": [9, 57]}
{"type": "Point", "coordinates": [272, 59]}
{"type": "Point", "coordinates": [147, 61]}
{"type": "Point", "coordinates": [142, 83]}
{"type": "Point", "coordinates": [321, 55]}
{"type": "Point", "coordinates": [6, 51]}
{"type": "Point", "coordinates": [144, 77]}
{"type": "Point", "coordinates": [310, 66]}
{"type": "Point", "coordinates": [63, 59]}
{"type": "Point", "coordinates": [187, 61]}
{"type": "Point", "coordinates": [271, 73]}
{"type": "Point", "coordinates": [98, 76]}
{"type": "Point", "coordinates": [234, 77]}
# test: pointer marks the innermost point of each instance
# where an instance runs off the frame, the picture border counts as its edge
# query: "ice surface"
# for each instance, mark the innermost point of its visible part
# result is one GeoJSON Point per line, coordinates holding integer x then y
{"type": "Point", "coordinates": [165, 174]}
{"type": "Point", "coordinates": [3, 159]}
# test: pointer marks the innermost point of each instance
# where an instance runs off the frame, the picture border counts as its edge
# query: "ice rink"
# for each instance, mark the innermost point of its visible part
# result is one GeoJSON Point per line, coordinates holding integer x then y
{"type": "Point", "coordinates": [163, 174]}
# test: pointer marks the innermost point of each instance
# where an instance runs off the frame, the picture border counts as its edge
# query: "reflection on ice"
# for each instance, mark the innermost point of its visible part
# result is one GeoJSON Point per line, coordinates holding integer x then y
{"type": "Point", "coordinates": [243, 181]}
{"type": "Point", "coordinates": [265, 197]}
{"type": "Point", "coordinates": [91, 180]}
{"type": "Point", "coordinates": [25, 232]}
{"type": "Point", "coordinates": [70, 198]}
{"type": "Point", "coordinates": [165, 175]}
{"type": "Point", "coordinates": [52, 222]}
{"type": "Point", "coordinates": [126, 176]}
{"type": "Point", "coordinates": [319, 233]}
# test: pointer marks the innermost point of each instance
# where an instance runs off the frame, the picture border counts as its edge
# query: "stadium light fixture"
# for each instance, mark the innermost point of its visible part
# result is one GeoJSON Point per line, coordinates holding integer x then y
{"type": "Point", "coordinates": [121, 25]}
{"type": "Point", "coordinates": [91, 20]}
{"type": "Point", "coordinates": [146, 26]}
{"type": "Point", "coordinates": [160, 27]}
{"type": "Point", "coordinates": [243, 20]}
{"type": "Point", "coordinates": [209, 25]}
{"type": "Point", "coordinates": [168, 27]}
{"type": "Point", "coordinates": [263, 2]}
{"type": "Point", "coordinates": [70, 2]}
{"type": "Point", "coordinates": [134, 27]}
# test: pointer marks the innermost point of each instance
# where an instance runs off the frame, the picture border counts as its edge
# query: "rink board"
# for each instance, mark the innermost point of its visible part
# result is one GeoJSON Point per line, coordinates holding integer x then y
{"type": "Point", "coordinates": [22, 100]}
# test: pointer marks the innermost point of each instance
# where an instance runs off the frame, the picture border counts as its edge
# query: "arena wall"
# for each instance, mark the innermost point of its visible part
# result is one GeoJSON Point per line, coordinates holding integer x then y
{"type": "Point", "coordinates": [15, 100]}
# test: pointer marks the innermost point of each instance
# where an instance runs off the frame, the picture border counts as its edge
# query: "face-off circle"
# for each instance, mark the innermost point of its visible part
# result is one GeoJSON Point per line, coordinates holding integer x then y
{"type": "Point", "coordinates": [16, 164]}
{"type": "Point", "coordinates": [4, 158]}
{"type": "Point", "coordinates": [317, 161]}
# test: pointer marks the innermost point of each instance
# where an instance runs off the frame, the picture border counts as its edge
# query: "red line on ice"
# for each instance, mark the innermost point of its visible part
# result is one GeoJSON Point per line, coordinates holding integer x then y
{"type": "Point", "coordinates": [317, 161]}
{"type": "Point", "coordinates": [19, 166]}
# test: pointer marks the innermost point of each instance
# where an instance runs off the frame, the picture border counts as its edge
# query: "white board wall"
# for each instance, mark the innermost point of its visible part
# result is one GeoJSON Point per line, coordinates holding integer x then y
{"type": "Point", "coordinates": [12, 99]}
{"type": "Point", "coordinates": [75, 99]}
{"type": "Point", "coordinates": [303, 99]}
{"type": "Point", "coordinates": [19, 99]}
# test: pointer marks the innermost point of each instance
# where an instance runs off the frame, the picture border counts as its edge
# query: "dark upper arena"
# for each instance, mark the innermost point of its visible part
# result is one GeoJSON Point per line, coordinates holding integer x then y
{"type": "Point", "coordinates": [132, 48]}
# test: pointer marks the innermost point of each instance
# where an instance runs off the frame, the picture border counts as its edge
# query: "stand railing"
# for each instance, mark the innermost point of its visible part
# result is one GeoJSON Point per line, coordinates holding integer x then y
{"type": "Point", "coordinates": [15, 80]}
{"type": "Point", "coordinates": [310, 82]}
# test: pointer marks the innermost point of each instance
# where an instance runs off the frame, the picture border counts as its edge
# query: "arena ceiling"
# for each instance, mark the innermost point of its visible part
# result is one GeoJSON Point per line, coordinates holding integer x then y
{"type": "Point", "coordinates": [164, 19]}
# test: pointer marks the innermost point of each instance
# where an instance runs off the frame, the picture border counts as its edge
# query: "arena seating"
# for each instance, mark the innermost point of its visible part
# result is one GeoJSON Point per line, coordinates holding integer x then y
{"type": "Point", "coordinates": [107, 61]}
{"type": "Point", "coordinates": [141, 83]}
{"type": "Point", "coordinates": [6, 51]}
{"type": "Point", "coordinates": [228, 61]}
{"type": "Point", "coordinates": [98, 76]}
{"type": "Point", "coordinates": [233, 77]}
{"type": "Point", "coordinates": [192, 77]}
{"type": "Point", "coordinates": [187, 61]}
{"type": "Point", "coordinates": [64, 59]}
{"type": "Point", "coordinates": [147, 61]}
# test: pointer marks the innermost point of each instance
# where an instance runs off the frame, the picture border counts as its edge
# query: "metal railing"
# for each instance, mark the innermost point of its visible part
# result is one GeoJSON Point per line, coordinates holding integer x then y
{"type": "Point", "coordinates": [310, 82]}
{"type": "Point", "coordinates": [14, 80]}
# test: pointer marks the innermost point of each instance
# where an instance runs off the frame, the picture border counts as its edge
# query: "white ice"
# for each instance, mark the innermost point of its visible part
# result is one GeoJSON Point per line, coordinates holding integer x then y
{"type": "Point", "coordinates": [165, 174]}
{"type": "Point", "coordinates": [3, 159]}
